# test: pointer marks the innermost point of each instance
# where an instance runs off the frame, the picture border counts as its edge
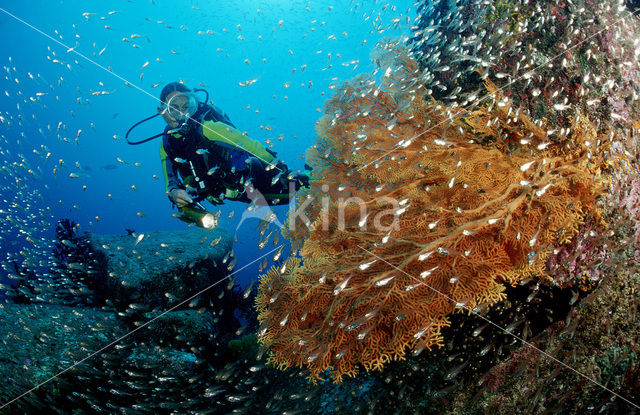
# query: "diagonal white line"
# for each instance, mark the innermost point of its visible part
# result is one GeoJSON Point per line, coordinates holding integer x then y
{"type": "Point", "coordinates": [504, 330]}
{"type": "Point", "coordinates": [134, 330]}
{"type": "Point", "coordinates": [499, 89]}
{"type": "Point", "coordinates": [130, 83]}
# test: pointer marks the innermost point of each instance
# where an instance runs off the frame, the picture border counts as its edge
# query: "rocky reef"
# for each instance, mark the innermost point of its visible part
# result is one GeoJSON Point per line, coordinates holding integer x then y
{"type": "Point", "coordinates": [473, 200]}
{"type": "Point", "coordinates": [118, 322]}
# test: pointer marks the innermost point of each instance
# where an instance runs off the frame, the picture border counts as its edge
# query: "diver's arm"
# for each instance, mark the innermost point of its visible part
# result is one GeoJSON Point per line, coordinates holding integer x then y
{"type": "Point", "coordinates": [170, 170]}
{"type": "Point", "coordinates": [226, 135]}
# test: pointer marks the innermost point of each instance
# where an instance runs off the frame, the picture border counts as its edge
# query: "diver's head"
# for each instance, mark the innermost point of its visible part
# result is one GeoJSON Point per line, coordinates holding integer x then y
{"type": "Point", "coordinates": [177, 104]}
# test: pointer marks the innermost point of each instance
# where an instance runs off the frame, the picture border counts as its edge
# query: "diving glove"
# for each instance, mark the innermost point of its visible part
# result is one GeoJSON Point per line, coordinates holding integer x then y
{"type": "Point", "coordinates": [180, 197]}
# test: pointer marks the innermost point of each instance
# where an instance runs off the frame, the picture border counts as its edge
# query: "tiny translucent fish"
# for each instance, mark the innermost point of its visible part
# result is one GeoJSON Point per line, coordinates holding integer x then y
{"type": "Point", "coordinates": [202, 151]}
{"type": "Point", "coordinates": [247, 291]}
{"type": "Point", "coordinates": [455, 371]}
{"type": "Point", "coordinates": [384, 281]}
{"type": "Point", "coordinates": [422, 332]}
{"type": "Point", "coordinates": [424, 256]}
{"type": "Point", "coordinates": [543, 190]}
{"type": "Point", "coordinates": [401, 211]}
{"type": "Point", "coordinates": [248, 82]}
{"type": "Point", "coordinates": [232, 264]}
{"type": "Point", "coordinates": [213, 170]}
{"type": "Point", "coordinates": [363, 221]}
{"type": "Point", "coordinates": [340, 287]}
{"type": "Point", "coordinates": [410, 287]}
{"type": "Point", "coordinates": [526, 166]}
{"type": "Point", "coordinates": [477, 331]}
{"type": "Point", "coordinates": [362, 335]}
{"type": "Point", "coordinates": [276, 178]}
{"type": "Point", "coordinates": [179, 160]}
{"type": "Point", "coordinates": [276, 256]}
{"type": "Point", "coordinates": [366, 265]}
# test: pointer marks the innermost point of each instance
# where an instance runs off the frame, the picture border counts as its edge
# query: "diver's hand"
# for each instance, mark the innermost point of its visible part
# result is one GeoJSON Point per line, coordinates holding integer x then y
{"type": "Point", "coordinates": [180, 197]}
{"type": "Point", "coordinates": [302, 179]}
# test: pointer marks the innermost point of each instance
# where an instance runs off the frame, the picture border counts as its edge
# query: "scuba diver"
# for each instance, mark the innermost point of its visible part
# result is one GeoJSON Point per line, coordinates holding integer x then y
{"type": "Point", "coordinates": [204, 156]}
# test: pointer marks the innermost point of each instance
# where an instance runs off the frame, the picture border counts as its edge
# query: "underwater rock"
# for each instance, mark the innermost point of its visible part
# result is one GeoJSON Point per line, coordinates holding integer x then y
{"type": "Point", "coordinates": [161, 268]}
{"type": "Point", "coordinates": [596, 343]}
{"type": "Point", "coordinates": [181, 328]}
{"type": "Point", "coordinates": [39, 341]}
{"type": "Point", "coordinates": [180, 363]}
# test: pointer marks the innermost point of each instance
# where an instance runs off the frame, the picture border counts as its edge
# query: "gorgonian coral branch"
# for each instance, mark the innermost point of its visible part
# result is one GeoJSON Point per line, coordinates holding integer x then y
{"type": "Point", "coordinates": [416, 215]}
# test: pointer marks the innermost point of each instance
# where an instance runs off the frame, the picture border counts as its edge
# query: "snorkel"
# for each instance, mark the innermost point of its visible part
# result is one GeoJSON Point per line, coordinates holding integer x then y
{"type": "Point", "coordinates": [181, 107]}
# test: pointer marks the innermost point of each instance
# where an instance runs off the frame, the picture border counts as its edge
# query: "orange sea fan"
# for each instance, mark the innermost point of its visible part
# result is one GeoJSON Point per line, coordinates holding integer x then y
{"type": "Point", "coordinates": [418, 210]}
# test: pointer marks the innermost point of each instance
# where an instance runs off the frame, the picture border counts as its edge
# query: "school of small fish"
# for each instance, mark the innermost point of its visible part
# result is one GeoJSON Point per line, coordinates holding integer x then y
{"type": "Point", "coordinates": [49, 128]}
{"type": "Point", "coordinates": [51, 133]}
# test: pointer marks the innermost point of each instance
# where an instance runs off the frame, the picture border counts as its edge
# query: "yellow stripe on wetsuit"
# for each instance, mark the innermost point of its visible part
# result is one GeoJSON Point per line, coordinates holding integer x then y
{"type": "Point", "coordinates": [221, 132]}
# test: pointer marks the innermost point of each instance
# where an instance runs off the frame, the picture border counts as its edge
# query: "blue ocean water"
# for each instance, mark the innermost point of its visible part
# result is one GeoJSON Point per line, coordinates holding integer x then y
{"type": "Point", "coordinates": [78, 74]}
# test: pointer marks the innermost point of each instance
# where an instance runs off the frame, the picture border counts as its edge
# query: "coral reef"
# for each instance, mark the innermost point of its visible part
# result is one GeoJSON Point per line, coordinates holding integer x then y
{"type": "Point", "coordinates": [550, 58]}
{"type": "Point", "coordinates": [597, 340]}
{"type": "Point", "coordinates": [484, 157]}
{"type": "Point", "coordinates": [456, 214]}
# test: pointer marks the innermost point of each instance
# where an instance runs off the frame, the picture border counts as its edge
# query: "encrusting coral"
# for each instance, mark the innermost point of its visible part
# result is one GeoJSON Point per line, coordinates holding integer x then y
{"type": "Point", "coordinates": [416, 211]}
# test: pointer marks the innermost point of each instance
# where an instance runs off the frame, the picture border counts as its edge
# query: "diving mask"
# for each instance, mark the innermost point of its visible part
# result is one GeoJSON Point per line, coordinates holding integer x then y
{"type": "Point", "coordinates": [181, 106]}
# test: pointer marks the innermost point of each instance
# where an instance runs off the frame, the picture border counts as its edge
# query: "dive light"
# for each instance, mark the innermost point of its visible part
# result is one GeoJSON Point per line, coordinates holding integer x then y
{"type": "Point", "coordinates": [196, 214]}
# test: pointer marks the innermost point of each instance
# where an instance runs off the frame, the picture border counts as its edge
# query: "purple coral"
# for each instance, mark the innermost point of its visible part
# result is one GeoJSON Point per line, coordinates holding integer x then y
{"type": "Point", "coordinates": [630, 202]}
